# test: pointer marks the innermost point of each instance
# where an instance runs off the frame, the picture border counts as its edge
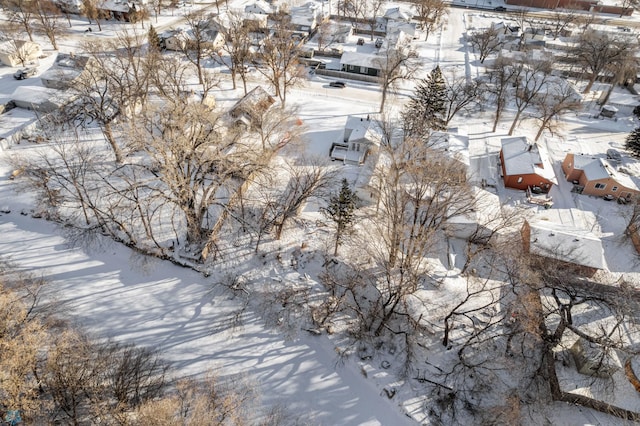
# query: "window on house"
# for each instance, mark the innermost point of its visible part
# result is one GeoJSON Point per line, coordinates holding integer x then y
{"type": "Point", "coordinates": [600, 186]}
{"type": "Point", "coordinates": [520, 179]}
{"type": "Point", "coordinates": [614, 189]}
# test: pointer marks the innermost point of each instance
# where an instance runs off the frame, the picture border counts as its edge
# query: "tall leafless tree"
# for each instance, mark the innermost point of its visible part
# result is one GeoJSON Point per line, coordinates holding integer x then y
{"type": "Point", "coordinates": [486, 42]}
{"type": "Point", "coordinates": [395, 65]}
{"type": "Point", "coordinates": [595, 50]}
{"type": "Point", "coordinates": [47, 15]}
{"type": "Point", "coordinates": [430, 14]}
{"type": "Point", "coordinates": [278, 61]}
{"type": "Point", "coordinates": [551, 105]}
{"type": "Point", "coordinates": [531, 79]}
{"type": "Point", "coordinates": [236, 52]}
{"type": "Point", "coordinates": [22, 14]}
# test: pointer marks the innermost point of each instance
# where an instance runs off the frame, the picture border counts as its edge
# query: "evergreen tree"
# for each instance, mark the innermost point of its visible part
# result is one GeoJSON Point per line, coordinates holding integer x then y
{"type": "Point", "coordinates": [633, 143]}
{"type": "Point", "coordinates": [636, 111]}
{"type": "Point", "coordinates": [341, 211]}
{"type": "Point", "coordinates": [154, 39]}
{"type": "Point", "coordinates": [427, 108]}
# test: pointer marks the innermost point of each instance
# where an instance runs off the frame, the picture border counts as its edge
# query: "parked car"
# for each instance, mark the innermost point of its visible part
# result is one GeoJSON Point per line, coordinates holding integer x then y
{"type": "Point", "coordinates": [25, 73]}
{"type": "Point", "coordinates": [608, 197]}
{"type": "Point", "coordinates": [378, 43]}
{"type": "Point", "coordinates": [500, 9]}
{"type": "Point", "coordinates": [338, 84]}
{"type": "Point", "coordinates": [622, 200]}
{"type": "Point", "coordinates": [614, 154]}
{"type": "Point", "coordinates": [360, 42]}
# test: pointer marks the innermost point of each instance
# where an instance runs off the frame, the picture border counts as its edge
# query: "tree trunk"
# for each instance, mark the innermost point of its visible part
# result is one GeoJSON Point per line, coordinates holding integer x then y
{"type": "Point", "coordinates": [108, 133]}
{"type": "Point", "coordinates": [515, 122]}
{"type": "Point", "coordinates": [384, 99]}
{"type": "Point", "coordinates": [27, 28]}
{"type": "Point", "coordinates": [540, 130]}
{"type": "Point", "coordinates": [496, 120]}
{"type": "Point", "coordinates": [233, 77]}
{"type": "Point", "coordinates": [592, 80]}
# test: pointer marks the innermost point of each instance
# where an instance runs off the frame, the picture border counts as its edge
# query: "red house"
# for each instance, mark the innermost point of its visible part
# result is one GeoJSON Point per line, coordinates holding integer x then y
{"type": "Point", "coordinates": [525, 164]}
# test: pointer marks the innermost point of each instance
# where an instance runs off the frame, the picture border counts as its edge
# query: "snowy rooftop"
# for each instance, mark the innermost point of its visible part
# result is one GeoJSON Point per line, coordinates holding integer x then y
{"type": "Point", "coordinates": [12, 121]}
{"type": "Point", "coordinates": [596, 168]}
{"type": "Point", "coordinates": [522, 157]}
{"type": "Point", "coordinates": [358, 128]}
{"type": "Point", "coordinates": [566, 243]}
{"type": "Point", "coordinates": [454, 141]}
{"type": "Point", "coordinates": [360, 59]}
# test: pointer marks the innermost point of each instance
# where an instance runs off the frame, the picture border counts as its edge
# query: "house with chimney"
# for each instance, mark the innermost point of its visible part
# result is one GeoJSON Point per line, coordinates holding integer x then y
{"type": "Point", "coordinates": [525, 164]}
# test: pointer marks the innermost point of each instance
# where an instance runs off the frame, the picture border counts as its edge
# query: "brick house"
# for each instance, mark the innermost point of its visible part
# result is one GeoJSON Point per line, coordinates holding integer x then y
{"type": "Point", "coordinates": [525, 164]}
{"type": "Point", "coordinates": [599, 177]}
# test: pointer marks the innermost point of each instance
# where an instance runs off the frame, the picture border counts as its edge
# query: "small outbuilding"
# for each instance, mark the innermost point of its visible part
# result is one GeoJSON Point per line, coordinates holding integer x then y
{"type": "Point", "coordinates": [593, 360]}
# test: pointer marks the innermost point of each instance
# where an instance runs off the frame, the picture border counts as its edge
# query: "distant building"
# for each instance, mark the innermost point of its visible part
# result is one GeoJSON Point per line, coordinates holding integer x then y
{"type": "Point", "coordinates": [599, 177]}
{"type": "Point", "coordinates": [259, 7]}
{"type": "Point", "coordinates": [586, 5]}
{"type": "Point", "coordinates": [525, 164]}
{"type": "Point", "coordinates": [123, 10]}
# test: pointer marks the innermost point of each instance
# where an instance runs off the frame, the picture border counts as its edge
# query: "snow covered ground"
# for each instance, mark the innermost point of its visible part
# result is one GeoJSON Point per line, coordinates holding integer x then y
{"type": "Point", "coordinates": [116, 293]}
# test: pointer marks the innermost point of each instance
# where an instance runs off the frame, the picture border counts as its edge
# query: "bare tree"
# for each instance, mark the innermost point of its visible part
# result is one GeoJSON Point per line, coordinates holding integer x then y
{"type": "Point", "coordinates": [623, 72]}
{"type": "Point", "coordinates": [304, 183]}
{"type": "Point", "coordinates": [196, 161]}
{"type": "Point", "coordinates": [531, 79]}
{"type": "Point", "coordinates": [278, 58]}
{"type": "Point", "coordinates": [430, 14]}
{"type": "Point", "coordinates": [562, 20]}
{"type": "Point", "coordinates": [395, 65]}
{"type": "Point", "coordinates": [486, 42]}
{"type": "Point", "coordinates": [629, 5]}
{"type": "Point", "coordinates": [238, 47]}
{"type": "Point", "coordinates": [595, 51]}
{"type": "Point", "coordinates": [21, 337]}
{"type": "Point", "coordinates": [21, 13]}
{"type": "Point", "coordinates": [502, 77]}
{"type": "Point", "coordinates": [559, 99]}
{"type": "Point", "coordinates": [95, 103]}
{"type": "Point", "coordinates": [324, 35]}
{"type": "Point", "coordinates": [92, 11]}
{"type": "Point", "coordinates": [213, 401]}
{"type": "Point", "coordinates": [47, 14]}
{"type": "Point", "coordinates": [368, 11]}
{"type": "Point", "coordinates": [197, 44]}
{"type": "Point", "coordinates": [460, 94]}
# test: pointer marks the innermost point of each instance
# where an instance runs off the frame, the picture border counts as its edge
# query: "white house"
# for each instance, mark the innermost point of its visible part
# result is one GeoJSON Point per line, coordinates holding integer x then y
{"type": "Point", "coordinates": [66, 69]}
{"type": "Point", "coordinates": [15, 53]}
{"type": "Point", "coordinates": [259, 7]}
{"type": "Point", "coordinates": [398, 14]}
{"type": "Point", "coordinates": [361, 63]}
{"type": "Point", "coordinates": [359, 136]}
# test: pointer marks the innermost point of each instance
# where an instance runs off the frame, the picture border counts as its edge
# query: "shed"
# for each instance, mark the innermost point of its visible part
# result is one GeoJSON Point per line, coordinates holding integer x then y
{"type": "Point", "coordinates": [593, 360]}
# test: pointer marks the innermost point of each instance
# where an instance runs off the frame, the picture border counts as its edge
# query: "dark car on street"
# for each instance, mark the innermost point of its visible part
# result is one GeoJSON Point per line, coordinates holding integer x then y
{"type": "Point", "coordinates": [25, 73]}
{"type": "Point", "coordinates": [338, 84]}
